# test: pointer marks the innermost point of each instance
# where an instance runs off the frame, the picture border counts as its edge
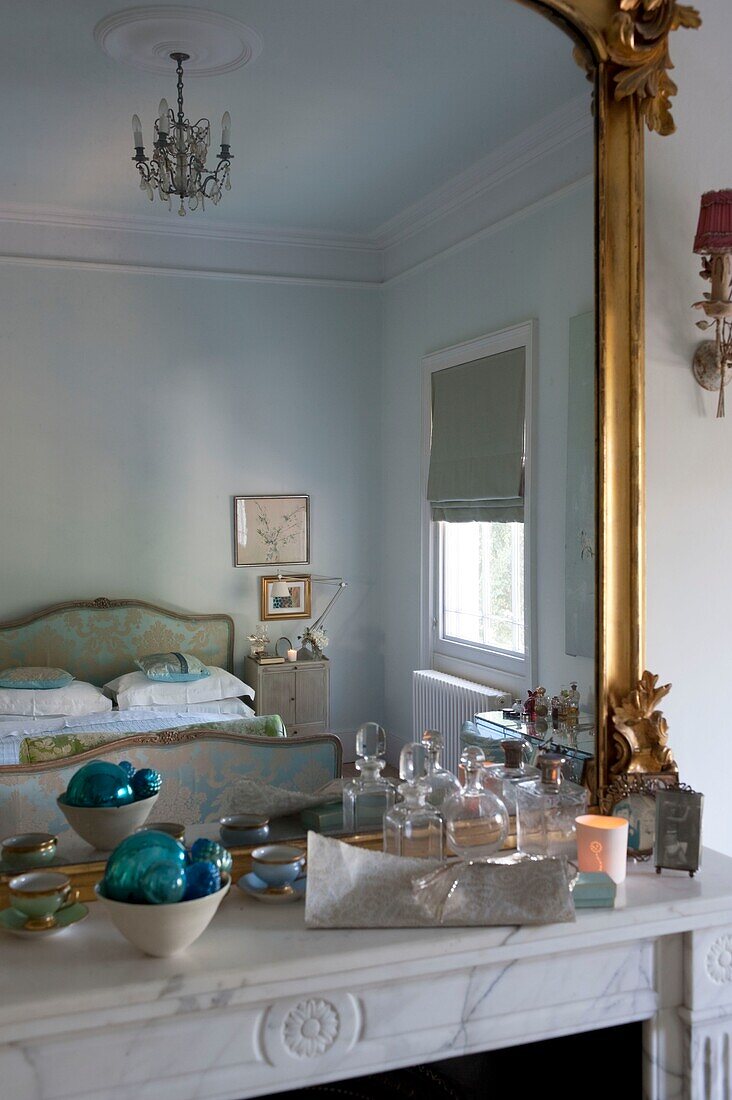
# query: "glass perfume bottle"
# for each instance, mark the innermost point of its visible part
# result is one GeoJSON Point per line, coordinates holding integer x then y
{"type": "Point", "coordinates": [367, 797]}
{"type": "Point", "coordinates": [501, 778]}
{"type": "Point", "coordinates": [546, 808]}
{"type": "Point", "coordinates": [412, 827]}
{"type": "Point", "coordinates": [476, 819]}
{"type": "Point", "coordinates": [541, 703]}
{"type": "Point", "coordinates": [438, 782]}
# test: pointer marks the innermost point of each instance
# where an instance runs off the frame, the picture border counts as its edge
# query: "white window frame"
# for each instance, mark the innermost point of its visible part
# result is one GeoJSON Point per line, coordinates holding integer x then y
{"type": "Point", "coordinates": [477, 662]}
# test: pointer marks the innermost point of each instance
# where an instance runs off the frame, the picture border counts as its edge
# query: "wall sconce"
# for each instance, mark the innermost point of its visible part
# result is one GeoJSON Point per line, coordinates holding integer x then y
{"type": "Point", "coordinates": [714, 242]}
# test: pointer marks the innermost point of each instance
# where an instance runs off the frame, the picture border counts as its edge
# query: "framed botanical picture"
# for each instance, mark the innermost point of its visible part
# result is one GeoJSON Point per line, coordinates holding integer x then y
{"type": "Point", "coordinates": [272, 530]}
{"type": "Point", "coordinates": [678, 830]}
{"type": "Point", "coordinates": [294, 606]}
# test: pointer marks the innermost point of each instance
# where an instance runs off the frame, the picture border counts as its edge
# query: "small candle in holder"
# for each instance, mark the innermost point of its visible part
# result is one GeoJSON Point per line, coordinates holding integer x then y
{"type": "Point", "coordinates": [292, 655]}
{"type": "Point", "coordinates": [602, 845]}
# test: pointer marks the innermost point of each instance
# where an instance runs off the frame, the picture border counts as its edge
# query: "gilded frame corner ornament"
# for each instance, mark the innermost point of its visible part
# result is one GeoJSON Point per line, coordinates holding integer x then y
{"type": "Point", "coordinates": [624, 46]}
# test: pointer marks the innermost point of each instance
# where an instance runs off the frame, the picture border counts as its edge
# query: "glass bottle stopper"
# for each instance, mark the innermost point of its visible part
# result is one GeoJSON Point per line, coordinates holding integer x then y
{"type": "Point", "coordinates": [550, 764]}
{"type": "Point", "coordinates": [412, 763]}
{"type": "Point", "coordinates": [513, 752]}
{"type": "Point", "coordinates": [370, 741]}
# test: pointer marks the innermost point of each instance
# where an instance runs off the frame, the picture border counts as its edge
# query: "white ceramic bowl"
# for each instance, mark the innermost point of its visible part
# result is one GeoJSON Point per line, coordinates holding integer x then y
{"type": "Point", "coordinates": [164, 930]}
{"type": "Point", "coordinates": [104, 827]}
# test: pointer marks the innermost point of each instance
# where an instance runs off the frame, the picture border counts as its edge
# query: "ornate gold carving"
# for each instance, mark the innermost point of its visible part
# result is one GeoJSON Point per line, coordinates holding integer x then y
{"type": "Point", "coordinates": [637, 42]}
{"type": "Point", "coordinates": [641, 731]}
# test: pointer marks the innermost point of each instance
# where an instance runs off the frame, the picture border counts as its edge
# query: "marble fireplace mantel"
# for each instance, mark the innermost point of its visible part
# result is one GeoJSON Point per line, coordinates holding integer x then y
{"type": "Point", "coordinates": [260, 1004]}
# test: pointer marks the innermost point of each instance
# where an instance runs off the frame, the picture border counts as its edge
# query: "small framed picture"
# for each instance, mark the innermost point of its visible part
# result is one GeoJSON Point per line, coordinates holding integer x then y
{"type": "Point", "coordinates": [678, 830]}
{"type": "Point", "coordinates": [294, 606]}
{"type": "Point", "coordinates": [639, 809]}
{"type": "Point", "coordinates": [272, 530]}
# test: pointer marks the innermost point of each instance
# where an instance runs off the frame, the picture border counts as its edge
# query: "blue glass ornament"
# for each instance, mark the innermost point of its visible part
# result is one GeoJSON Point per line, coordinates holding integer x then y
{"type": "Point", "coordinates": [145, 783]}
{"type": "Point", "coordinates": [163, 883]}
{"type": "Point", "coordinates": [133, 857]}
{"type": "Point", "coordinates": [99, 783]}
{"type": "Point", "coordinates": [128, 768]}
{"type": "Point", "coordinates": [211, 851]}
{"type": "Point", "coordinates": [202, 878]}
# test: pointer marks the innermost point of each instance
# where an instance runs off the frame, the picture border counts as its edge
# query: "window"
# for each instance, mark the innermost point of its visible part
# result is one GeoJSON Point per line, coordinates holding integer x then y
{"type": "Point", "coordinates": [476, 567]}
{"type": "Point", "coordinates": [482, 585]}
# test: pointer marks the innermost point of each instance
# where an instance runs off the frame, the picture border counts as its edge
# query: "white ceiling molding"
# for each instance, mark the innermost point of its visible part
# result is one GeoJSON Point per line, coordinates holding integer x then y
{"type": "Point", "coordinates": [567, 124]}
{"type": "Point", "coordinates": [145, 37]}
{"type": "Point", "coordinates": [540, 162]}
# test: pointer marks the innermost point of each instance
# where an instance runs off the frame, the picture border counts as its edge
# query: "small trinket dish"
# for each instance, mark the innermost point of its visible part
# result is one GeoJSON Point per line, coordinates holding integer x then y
{"type": "Point", "coordinates": [19, 925]}
{"type": "Point", "coordinates": [254, 887]}
{"type": "Point", "coordinates": [172, 828]}
{"type": "Point", "coordinates": [238, 830]}
{"type": "Point", "coordinates": [593, 890]}
{"type": "Point", "coordinates": [29, 850]}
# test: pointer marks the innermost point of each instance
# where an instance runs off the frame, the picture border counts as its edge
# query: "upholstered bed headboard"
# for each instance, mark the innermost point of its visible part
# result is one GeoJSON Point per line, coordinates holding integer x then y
{"type": "Point", "coordinates": [96, 640]}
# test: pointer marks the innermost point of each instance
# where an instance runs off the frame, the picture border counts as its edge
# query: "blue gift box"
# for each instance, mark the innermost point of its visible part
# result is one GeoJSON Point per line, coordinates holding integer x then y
{"type": "Point", "coordinates": [594, 890]}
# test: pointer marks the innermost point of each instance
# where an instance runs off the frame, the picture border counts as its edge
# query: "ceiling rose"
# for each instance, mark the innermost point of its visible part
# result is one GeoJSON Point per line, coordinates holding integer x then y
{"type": "Point", "coordinates": [146, 37]}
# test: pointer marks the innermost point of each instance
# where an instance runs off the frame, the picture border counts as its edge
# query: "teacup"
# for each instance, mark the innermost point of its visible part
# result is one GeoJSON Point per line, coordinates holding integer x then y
{"type": "Point", "coordinates": [40, 894]}
{"type": "Point", "coordinates": [29, 849]}
{"type": "Point", "coordinates": [277, 864]}
{"type": "Point", "coordinates": [241, 829]}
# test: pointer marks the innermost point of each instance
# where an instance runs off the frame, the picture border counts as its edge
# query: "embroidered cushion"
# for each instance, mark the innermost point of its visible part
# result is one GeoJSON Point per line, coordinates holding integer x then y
{"type": "Point", "coordinates": [35, 678]}
{"type": "Point", "coordinates": [172, 668]}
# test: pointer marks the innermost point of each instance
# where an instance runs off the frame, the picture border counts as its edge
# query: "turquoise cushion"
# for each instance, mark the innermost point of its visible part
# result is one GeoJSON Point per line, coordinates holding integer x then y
{"type": "Point", "coordinates": [172, 668]}
{"type": "Point", "coordinates": [34, 678]}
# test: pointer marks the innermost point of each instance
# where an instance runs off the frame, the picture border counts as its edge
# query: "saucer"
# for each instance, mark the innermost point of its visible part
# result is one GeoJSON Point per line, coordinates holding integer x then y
{"type": "Point", "coordinates": [254, 887]}
{"type": "Point", "coordinates": [13, 921]}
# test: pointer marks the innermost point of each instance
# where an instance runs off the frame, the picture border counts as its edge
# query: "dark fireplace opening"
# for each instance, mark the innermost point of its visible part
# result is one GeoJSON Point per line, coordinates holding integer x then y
{"type": "Point", "coordinates": [604, 1064]}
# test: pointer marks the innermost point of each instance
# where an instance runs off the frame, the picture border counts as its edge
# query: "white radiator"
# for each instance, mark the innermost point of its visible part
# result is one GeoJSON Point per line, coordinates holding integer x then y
{"type": "Point", "coordinates": [443, 703]}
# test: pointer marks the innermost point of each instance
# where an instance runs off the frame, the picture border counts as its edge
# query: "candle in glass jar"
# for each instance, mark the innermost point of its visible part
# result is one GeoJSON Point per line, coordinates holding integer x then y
{"type": "Point", "coordinates": [292, 655]}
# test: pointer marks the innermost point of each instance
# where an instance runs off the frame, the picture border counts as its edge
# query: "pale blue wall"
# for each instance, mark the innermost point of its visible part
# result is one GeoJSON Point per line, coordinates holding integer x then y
{"type": "Point", "coordinates": [539, 266]}
{"type": "Point", "coordinates": [133, 407]}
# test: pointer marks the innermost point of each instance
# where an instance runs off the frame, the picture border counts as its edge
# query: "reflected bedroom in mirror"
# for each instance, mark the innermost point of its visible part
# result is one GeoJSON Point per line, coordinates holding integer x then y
{"type": "Point", "coordinates": [356, 338]}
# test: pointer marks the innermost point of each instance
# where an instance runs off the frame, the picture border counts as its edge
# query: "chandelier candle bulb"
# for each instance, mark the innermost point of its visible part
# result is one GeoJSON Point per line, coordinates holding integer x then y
{"type": "Point", "coordinates": [163, 123]}
{"type": "Point", "coordinates": [226, 129]}
{"type": "Point", "coordinates": [602, 845]}
{"type": "Point", "coordinates": [137, 131]}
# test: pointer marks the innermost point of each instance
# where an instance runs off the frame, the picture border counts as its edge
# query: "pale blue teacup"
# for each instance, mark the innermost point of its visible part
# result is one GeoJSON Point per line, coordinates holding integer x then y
{"type": "Point", "coordinates": [278, 864]}
{"type": "Point", "coordinates": [40, 894]}
{"type": "Point", "coordinates": [238, 830]}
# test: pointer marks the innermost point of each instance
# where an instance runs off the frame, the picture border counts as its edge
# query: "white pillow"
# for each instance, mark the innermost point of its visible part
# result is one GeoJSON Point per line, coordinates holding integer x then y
{"type": "Point", "coordinates": [216, 706]}
{"type": "Point", "coordinates": [135, 690]}
{"type": "Point", "coordinates": [75, 699]}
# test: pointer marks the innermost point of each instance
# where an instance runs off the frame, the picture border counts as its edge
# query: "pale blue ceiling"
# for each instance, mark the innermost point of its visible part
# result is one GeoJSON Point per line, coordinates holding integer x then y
{"type": "Point", "coordinates": [354, 110]}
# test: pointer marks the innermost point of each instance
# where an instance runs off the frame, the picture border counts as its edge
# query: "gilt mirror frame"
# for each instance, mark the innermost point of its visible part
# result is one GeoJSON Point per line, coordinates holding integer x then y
{"type": "Point", "coordinates": [624, 46]}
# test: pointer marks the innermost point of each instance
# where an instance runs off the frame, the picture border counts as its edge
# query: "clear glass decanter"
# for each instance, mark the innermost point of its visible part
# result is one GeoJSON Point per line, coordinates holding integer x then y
{"type": "Point", "coordinates": [501, 778]}
{"type": "Point", "coordinates": [412, 827]}
{"type": "Point", "coordinates": [476, 819]}
{"type": "Point", "coordinates": [367, 797]}
{"type": "Point", "coordinates": [546, 808]}
{"type": "Point", "coordinates": [438, 782]}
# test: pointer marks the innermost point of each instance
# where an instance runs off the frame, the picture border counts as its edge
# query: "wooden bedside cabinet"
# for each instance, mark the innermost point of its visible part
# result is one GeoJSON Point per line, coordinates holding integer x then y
{"type": "Point", "coordinates": [299, 693]}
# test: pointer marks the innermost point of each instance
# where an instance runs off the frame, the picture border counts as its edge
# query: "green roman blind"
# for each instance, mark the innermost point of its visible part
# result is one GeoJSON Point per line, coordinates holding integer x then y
{"type": "Point", "coordinates": [477, 453]}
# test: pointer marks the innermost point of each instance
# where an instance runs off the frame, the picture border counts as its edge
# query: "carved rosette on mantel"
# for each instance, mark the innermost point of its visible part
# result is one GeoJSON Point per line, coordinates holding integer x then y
{"type": "Point", "coordinates": [637, 43]}
{"type": "Point", "coordinates": [640, 733]}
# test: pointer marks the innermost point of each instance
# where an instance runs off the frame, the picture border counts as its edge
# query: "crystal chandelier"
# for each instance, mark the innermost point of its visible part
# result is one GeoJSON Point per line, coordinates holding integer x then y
{"type": "Point", "coordinates": [178, 165]}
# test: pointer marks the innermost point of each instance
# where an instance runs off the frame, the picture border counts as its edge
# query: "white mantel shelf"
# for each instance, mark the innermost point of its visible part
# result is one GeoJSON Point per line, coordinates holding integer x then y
{"type": "Point", "coordinates": [83, 1014]}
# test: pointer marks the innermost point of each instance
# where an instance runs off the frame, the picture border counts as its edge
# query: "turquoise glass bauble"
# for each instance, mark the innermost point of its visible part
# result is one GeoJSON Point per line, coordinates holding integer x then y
{"type": "Point", "coordinates": [163, 883]}
{"type": "Point", "coordinates": [202, 878]}
{"type": "Point", "coordinates": [127, 767]}
{"type": "Point", "coordinates": [132, 859]}
{"type": "Point", "coordinates": [210, 851]}
{"type": "Point", "coordinates": [145, 783]}
{"type": "Point", "coordinates": [99, 783]}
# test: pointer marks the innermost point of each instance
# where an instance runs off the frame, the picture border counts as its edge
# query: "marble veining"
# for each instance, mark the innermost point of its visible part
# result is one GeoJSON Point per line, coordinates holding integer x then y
{"type": "Point", "coordinates": [260, 1004]}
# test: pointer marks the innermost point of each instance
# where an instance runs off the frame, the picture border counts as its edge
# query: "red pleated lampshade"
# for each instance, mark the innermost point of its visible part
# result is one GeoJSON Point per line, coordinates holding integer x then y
{"type": "Point", "coordinates": [714, 232]}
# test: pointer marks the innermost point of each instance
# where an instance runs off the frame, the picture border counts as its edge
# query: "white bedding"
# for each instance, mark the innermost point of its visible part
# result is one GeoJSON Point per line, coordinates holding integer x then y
{"type": "Point", "coordinates": [142, 720]}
